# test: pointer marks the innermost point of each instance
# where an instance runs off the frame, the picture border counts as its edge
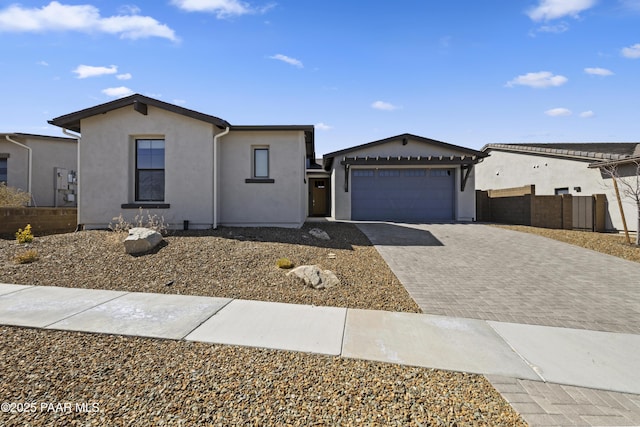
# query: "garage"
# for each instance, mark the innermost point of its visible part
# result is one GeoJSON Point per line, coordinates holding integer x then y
{"type": "Point", "coordinates": [404, 178]}
{"type": "Point", "coordinates": [403, 194]}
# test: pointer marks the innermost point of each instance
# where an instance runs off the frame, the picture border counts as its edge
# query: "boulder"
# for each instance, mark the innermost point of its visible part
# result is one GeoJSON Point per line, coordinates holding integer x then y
{"type": "Point", "coordinates": [141, 239]}
{"type": "Point", "coordinates": [313, 276]}
{"type": "Point", "coordinates": [319, 234]}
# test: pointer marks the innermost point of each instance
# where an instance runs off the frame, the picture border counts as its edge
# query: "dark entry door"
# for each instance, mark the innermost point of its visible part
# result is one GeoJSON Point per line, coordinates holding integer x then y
{"type": "Point", "coordinates": [319, 188]}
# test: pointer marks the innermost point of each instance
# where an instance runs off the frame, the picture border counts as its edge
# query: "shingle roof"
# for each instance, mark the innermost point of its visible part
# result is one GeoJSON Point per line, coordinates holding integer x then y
{"type": "Point", "coordinates": [585, 151]}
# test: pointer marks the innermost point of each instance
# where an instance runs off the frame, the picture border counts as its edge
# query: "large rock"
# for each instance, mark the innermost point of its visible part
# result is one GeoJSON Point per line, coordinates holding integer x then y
{"type": "Point", "coordinates": [319, 234]}
{"type": "Point", "coordinates": [314, 276]}
{"type": "Point", "coordinates": [141, 240]}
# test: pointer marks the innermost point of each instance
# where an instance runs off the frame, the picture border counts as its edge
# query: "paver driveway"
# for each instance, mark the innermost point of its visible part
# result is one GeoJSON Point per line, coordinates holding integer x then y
{"type": "Point", "coordinates": [483, 272]}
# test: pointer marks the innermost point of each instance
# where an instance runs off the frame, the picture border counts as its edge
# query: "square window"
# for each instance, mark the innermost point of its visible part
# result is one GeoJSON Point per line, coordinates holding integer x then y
{"type": "Point", "coordinates": [150, 170]}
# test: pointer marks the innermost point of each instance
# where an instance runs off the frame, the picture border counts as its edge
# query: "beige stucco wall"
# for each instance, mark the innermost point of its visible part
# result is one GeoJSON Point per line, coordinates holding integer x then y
{"type": "Point", "coordinates": [282, 203]}
{"type": "Point", "coordinates": [107, 171]}
{"type": "Point", "coordinates": [341, 200]}
{"type": "Point", "coordinates": [47, 154]}
{"type": "Point", "coordinates": [505, 169]}
{"type": "Point", "coordinates": [107, 166]}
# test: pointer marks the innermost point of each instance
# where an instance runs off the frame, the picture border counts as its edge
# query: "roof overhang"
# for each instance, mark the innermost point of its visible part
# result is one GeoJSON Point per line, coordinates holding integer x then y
{"type": "Point", "coordinates": [410, 161]}
{"type": "Point", "coordinates": [140, 104]}
{"type": "Point", "coordinates": [614, 163]}
{"type": "Point", "coordinates": [328, 158]}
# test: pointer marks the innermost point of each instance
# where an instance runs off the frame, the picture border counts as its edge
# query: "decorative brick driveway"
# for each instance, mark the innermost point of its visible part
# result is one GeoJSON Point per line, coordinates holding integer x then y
{"type": "Point", "coordinates": [483, 272]}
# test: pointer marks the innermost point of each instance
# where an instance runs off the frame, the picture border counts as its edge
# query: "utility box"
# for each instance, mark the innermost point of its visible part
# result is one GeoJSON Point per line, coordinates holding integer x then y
{"type": "Point", "coordinates": [65, 184]}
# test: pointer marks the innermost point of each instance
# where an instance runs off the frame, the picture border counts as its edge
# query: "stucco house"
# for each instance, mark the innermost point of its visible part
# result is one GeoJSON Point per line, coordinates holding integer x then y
{"type": "Point", "coordinates": [559, 168]}
{"type": "Point", "coordinates": [403, 178]}
{"type": "Point", "coordinates": [193, 169]}
{"type": "Point", "coordinates": [44, 166]}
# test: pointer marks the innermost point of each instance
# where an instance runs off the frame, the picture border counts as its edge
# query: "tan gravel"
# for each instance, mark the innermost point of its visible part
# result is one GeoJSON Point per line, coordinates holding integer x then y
{"type": "Point", "coordinates": [228, 262]}
{"type": "Point", "coordinates": [611, 244]}
{"type": "Point", "coordinates": [137, 381]}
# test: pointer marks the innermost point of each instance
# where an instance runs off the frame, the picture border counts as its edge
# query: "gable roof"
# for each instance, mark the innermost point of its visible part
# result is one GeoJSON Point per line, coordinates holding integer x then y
{"type": "Point", "coordinates": [140, 102]}
{"type": "Point", "coordinates": [579, 151]}
{"type": "Point", "coordinates": [328, 158]}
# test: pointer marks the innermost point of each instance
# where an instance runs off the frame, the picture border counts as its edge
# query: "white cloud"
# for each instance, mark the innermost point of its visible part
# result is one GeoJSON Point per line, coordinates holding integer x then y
{"type": "Point", "coordinates": [548, 10]}
{"type": "Point", "coordinates": [558, 112]}
{"type": "Point", "coordinates": [117, 92]}
{"type": "Point", "coordinates": [43, 63]}
{"type": "Point", "coordinates": [540, 79]}
{"type": "Point", "coordinates": [598, 71]}
{"type": "Point", "coordinates": [633, 5]}
{"type": "Point", "coordinates": [124, 76]}
{"type": "Point", "coordinates": [83, 18]}
{"type": "Point", "coordinates": [587, 114]}
{"type": "Point", "coordinates": [555, 29]}
{"type": "Point", "coordinates": [222, 8]}
{"type": "Point", "coordinates": [632, 52]}
{"type": "Point", "coordinates": [288, 60]}
{"type": "Point", "coordinates": [323, 126]}
{"type": "Point", "coordinates": [129, 9]}
{"type": "Point", "coordinates": [84, 71]}
{"type": "Point", "coordinates": [384, 106]}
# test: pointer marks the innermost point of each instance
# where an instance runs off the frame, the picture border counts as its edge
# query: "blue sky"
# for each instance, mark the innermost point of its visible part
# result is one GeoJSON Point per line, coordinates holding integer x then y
{"type": "Point", "coordinates": [464, 72]}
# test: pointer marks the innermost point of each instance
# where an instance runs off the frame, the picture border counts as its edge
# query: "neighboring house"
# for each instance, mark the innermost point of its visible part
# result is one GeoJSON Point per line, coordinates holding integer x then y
{"type": "Point", "coordinates": [558, 169]}
{"type": "Point", "coordinates": [402, 178]}
{"type": "Point", "coordinates": [193, 169]}
{"type": "Point", "coordinates": [44, 166]}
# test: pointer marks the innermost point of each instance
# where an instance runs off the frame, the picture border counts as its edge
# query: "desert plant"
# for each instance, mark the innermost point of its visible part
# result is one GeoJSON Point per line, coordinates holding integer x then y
{"type": "Point", "coordinates": [24, 236]}
{"type": "Point", "coordinates": [284, 263]}
{"type": "Point", "coordinates": [11, 197]}
{"type": "Point", "coordinates": [26, 257]}
{"type": "Point", "coordinates": [142, 219]}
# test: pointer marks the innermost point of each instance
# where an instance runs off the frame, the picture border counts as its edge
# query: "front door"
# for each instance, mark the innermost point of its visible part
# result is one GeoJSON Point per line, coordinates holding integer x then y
{"type": "Point", "coordinates": [319, 187]}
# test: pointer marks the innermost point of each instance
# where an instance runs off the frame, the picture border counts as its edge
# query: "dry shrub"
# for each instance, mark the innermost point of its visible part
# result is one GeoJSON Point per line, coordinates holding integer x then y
{"type": "Point", "coordinates": [11, 197]}
{"type": "Point", "coordinates": [26, 257]}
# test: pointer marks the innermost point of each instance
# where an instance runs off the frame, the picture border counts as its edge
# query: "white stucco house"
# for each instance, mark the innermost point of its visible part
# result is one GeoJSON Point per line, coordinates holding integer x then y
{"type": "Point", "coordinates": [403, 178]}
{"type": "Point", "coordinates": [44, 166]}
{"type": "Point", "coordinates": [191, 168]}
{"type": "Point", "coordinates": [559, 168]}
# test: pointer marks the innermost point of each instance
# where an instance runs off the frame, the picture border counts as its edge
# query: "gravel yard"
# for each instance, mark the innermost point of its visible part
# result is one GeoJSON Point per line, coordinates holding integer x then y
{"type": "Point", "coordinates": [140, 381]}
{"type": "Point", "coordinates": [228, 262]}
{"type": "Point", "coordinates": [136, 381]}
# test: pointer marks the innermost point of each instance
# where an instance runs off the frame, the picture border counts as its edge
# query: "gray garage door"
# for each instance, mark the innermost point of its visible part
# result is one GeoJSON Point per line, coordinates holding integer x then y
{"type": "Point", "coordinates": [415, 195]}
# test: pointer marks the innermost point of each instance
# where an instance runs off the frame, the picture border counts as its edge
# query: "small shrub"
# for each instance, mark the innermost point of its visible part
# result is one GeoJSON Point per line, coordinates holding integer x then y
{"type": "Point", "coordinates": [284, 263]}
{"type": "Point", "coordinates": [11, 197]}
{"type": "Point", "coordinates": [120, 224]}
{"type": "Point", "coordinates": [26, 257]}
{"type": "Point", "coordinates": [24, 236]}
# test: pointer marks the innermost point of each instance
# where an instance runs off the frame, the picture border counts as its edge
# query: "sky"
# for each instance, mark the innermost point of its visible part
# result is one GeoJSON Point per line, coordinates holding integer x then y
{"type": "Point", "coordinates": [466, 72]}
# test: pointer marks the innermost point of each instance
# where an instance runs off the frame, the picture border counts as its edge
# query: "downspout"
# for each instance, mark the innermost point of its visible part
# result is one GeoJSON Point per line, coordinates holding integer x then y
{"type": "Point", "coordinates": [216, 138]}
{"type": "Point", "coordinates": [30, 167]}
{"type": "Point", "coordinates": [77, 137]}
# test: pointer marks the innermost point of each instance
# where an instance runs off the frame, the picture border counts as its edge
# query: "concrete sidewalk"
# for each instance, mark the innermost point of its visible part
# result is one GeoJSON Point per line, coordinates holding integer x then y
{"type": "Point", "coordinates": [600, 360]}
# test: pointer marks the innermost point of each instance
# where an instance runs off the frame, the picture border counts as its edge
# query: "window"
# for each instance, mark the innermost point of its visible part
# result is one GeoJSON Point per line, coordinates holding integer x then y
{"type": "Point", "coordinates": [415, 172]}
{"type": "Point", "coordinates": [3, 170]}
{"type": "Point", "coordinates": [261, 162]}
{"type": "Point", "coordinates": [440, 172]}
{"type": "Point", "coordinates": [564, 190]}
{"type": "Point", "coordinates": [388, 172]}
{"type": "Point", "coordinates": [149, 170]}
{"type": "Point", "coordinates": [362, 172]}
